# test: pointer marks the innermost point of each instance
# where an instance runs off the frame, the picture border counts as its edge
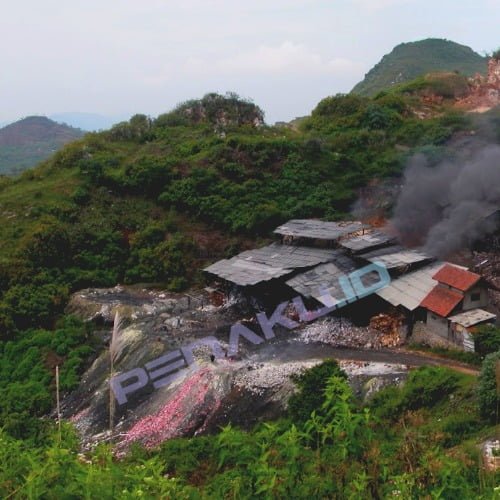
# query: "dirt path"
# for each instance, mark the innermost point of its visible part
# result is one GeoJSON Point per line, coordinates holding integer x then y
{"type": "Point", "coordinates": [298, 351]}
{"type": "Point", "coordinates": [436, 360]}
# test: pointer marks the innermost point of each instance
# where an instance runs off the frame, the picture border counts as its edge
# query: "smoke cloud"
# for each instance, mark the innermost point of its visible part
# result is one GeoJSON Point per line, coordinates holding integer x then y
{"type": "Point", "coordinates": [445, 208]}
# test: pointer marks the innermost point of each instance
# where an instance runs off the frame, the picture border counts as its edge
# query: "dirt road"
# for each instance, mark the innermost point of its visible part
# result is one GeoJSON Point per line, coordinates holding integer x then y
{"type": "Point", "coordinates": [293, 350]}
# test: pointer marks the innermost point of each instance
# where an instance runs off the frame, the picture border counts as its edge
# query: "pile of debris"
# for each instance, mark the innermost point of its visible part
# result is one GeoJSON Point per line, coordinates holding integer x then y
{"type": "Point", "coordinates": [388, 327]}
{"type": "Point", "coordinates": [488, 265]}
{"type": "Point", "coordinates": [340, 332]}
{"type": "Point", "coordinates": [491, 454]}
{"type": "Point", "coordinates": [258, 378]}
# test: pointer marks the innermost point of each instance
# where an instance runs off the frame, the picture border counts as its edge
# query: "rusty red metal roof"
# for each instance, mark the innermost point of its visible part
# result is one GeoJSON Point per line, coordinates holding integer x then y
{"type": "Point", "coordinates": [441, 300]}
{"type": "Point", "coordinates": [460, 279]}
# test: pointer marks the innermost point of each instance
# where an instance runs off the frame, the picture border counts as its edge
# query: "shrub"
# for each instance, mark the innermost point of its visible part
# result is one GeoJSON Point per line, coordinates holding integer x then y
{"type": "Point", "coordinates": [489, 387]}
{"type": "Point", "coordinates": [31, 306]}
{"type": "Point", "coordinates": [487, 339]}
{"type": "Point", "coordinates": [311, 394]}
{"type": "Point", "coordinates": [48, 245]}
{"type": "Point", "coordinates": [424, 388]}
{"type": "Point", "coordinates": [458, 426]}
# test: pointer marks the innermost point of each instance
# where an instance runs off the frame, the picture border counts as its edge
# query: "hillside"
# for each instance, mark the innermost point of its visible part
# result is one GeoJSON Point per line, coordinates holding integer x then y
{"type": "Point", "coordinates": [31, 140]}
{"type": "Point", "coordinates": [147, 205]}
{"type": "Point", "coordinates": [408, 61]}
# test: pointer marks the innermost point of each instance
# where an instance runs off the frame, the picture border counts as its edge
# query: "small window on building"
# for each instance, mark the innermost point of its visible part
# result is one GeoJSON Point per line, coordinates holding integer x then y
{"type": "Point", "coordinates": [475, 297]}
{"type": "Point", "coordinates": [433, 316]}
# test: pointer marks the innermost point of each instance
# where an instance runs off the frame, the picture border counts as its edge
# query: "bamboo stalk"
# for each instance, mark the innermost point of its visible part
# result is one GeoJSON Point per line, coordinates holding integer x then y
{"type": "Point", "coordinates": [111, 395]}
{"type": "Point", "coordinates": [58, 404]}
{"type": "Point", "coordinates": [497, 379]}
{"type": "Point", "coordinates": [115, 346]}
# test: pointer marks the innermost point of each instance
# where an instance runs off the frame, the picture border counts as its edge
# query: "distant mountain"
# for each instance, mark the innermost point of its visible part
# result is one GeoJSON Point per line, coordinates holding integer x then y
{"type": "Point", "coordinates": [27, 142]}
{"type": "Point", "coordinates": [86, 121]}
{"type": "Point", "coordinates": [407, 61]}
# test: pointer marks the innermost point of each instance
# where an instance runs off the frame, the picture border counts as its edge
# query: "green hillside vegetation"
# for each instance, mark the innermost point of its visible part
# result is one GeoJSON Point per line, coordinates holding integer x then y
{"type": "Point", "coordinates": [29, 141]}
{"type": "Point", "coordinates": [444, 84]}
{"type": "Point", "coordinates": [408, 61]}
{"type": "Point", "coordinates": [402, 444]}
{"type": "Point", "coordinates": [153, 201]}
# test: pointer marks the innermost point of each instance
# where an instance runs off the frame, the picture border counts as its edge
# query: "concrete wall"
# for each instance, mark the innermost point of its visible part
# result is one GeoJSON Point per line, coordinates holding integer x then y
{"type": "Point", "coordinates": [423, 335]}
{"type": "Point", "coordinates": [483, 298]}
{"type": "Point", "coordinates": [437, 324]}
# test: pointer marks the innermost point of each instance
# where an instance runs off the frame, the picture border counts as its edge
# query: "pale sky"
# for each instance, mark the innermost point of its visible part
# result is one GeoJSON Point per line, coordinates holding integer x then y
{"type": "Point", "coordinates": [119, 57]}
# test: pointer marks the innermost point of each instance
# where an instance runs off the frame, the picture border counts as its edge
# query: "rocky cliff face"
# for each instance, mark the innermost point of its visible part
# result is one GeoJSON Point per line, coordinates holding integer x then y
{"type": "Point", "coordinates": [494, 72]}
{"type": "Point", "coordinates": [484, 90]}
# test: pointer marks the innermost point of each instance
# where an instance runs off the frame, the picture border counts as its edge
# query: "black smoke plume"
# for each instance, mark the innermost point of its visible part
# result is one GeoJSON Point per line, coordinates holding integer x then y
{"type": "Point", "coordinates": [448, 207]}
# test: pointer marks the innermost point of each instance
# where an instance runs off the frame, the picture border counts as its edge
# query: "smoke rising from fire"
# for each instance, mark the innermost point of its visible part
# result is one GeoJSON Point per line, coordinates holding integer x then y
{"type": "Point", "coordinates": [445, 207]}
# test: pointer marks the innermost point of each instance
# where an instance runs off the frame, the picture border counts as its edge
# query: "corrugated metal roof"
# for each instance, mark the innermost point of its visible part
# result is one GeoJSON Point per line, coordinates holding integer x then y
{"type": "Point", "coordinates": [441, 300]}
{"type": "Point", "coordinates": [358, 244]}
{"type": "Point", "coordinates": [263, 264]}
{"type": "Point", "coordinates": [410, 289]}
{"type": "Point", "coordinates": [461, 279]}
{"type": "Point", "coordinates": [472, 317]}
{"type": "Point", "coordinates": [288, 256]}
{"type": "Point", "coordinates": [396, 256]}
{"type": "Point", "coordinates": [323, 278]}
{"type": "Point", "coordinates": [322, 282]}
{"type": "Point", "coordinates": [245, 273]}
{"type": "Point", "coordinates": [317, 229]}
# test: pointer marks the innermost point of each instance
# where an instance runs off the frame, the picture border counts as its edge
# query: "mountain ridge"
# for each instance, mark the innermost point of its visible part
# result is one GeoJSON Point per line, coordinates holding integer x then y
{"type": "Point", "coordinates": [410, 60]}
{"type": "Point", "coordinates": [27, 142]}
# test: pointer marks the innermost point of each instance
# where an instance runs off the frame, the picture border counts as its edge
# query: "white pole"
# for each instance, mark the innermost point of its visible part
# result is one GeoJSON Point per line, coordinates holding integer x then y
{"type": "Point", "coordinates": [58, 402]}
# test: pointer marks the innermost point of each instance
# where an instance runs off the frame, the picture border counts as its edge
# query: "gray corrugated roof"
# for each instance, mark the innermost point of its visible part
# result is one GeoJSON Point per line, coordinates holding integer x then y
{"type": "Point", "coordinates": [317, 229]}
{"type": "Point", "coordinates": [410, 289]}
{"type": "Point", "coordinates": [262, 264]}
{"type": "Point", "coordinates": [358, 244]}
{"type": "Point", "coordinates": [322, 282]}
{"type": "Point", "coordinates": [245, 273]}
{"type": "Point", "coordinates": [472, 317]}
{"type": "Point", "coordinates": [288, 256]}
{"type": "Point", "coordinates": [396, 256]}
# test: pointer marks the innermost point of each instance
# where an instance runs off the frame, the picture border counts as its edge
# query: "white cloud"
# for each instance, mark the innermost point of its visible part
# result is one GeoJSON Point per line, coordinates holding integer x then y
{"type": "Point", "coordinates": [287, 58]}
{"type": "Point", "coordinates": [112, 57]}
{"type": "Point", "coordinates": [372, 5]}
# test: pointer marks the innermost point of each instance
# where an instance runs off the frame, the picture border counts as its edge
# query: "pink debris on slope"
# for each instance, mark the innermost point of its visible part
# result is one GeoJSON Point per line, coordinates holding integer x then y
{"type": "Point", "coordinates": [187, 407]}
{"type": "Point", "coordinates": [80, 414]}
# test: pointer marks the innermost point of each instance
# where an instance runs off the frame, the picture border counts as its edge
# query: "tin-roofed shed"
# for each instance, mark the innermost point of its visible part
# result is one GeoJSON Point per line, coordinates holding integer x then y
{"type": "Point", "coordinates": [273, 261]}
{"type": "Point", "coordinates": [319, 230]}
{"type": "Point", "coordinates": [367, 242]}
{"type": "Point", "coordinates": [322, 282]}
{"type": "Point", "coordinates": [464, 324]}
{"type": "Point", "coordinates": [396, 257]}
{"type": "Point", "coordinates": [409, 290]}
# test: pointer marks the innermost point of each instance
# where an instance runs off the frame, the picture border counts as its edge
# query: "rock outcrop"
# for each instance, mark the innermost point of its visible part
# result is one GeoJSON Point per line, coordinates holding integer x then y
{"type": "Point", "coordinates": [484, 91]}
